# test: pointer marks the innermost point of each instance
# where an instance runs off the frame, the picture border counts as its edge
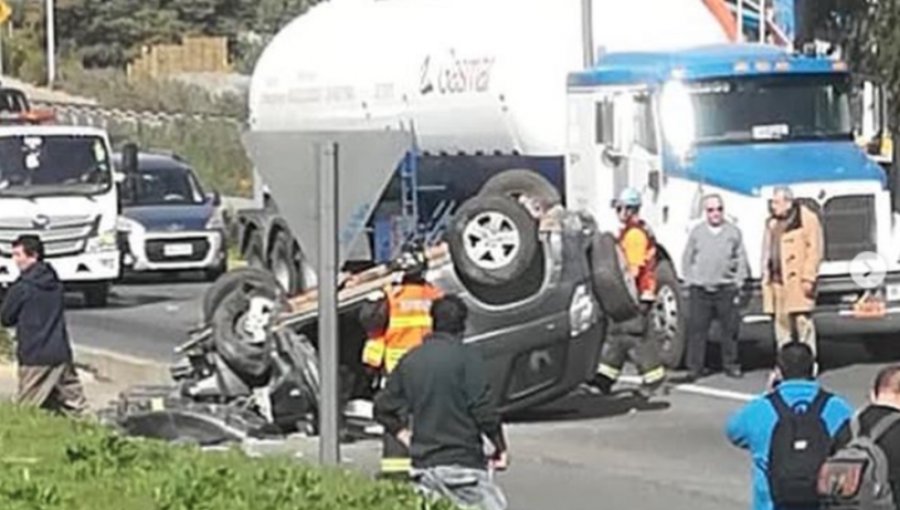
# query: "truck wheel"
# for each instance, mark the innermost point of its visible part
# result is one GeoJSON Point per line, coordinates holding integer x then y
{"type": "Point", "coordinates": [97, 295]}
{"type": "Point", "coordinates": [283, 264]}
{"type": "Point", "coordinates": [669, 315]}
{"type": "Point", "coordinates": [227, 283]}
{"type": "Point", "coordinates": [492, 239]}
{"type": "Point", "coordinates": [520, 182]}
{"type": "Point", "coordinates": [253, 253]}
{"type": "Point", "coordinates": [614, 286]}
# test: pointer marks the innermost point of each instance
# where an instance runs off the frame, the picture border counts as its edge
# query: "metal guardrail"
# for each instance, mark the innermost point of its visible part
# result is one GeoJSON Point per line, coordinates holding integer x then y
{"type": "Point", "coordinates": [90, 115]}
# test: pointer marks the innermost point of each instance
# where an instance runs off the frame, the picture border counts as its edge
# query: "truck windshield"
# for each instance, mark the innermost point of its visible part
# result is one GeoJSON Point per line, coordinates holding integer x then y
{"type": "Point", "coordinates": [34, 165]}
{"type": "Point", "coordinates": [772, 108]}
{"type": "Point", "coordinates": [169, 186]}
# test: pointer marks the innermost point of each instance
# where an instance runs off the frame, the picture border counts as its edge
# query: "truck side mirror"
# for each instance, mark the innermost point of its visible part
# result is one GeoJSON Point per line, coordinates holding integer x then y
{"type": "Point", "coordinates": [130, 158]}
{"type": "Point", "coordinates": [653, 180]}
{"type": "Point", "coordinates": [215, 198]}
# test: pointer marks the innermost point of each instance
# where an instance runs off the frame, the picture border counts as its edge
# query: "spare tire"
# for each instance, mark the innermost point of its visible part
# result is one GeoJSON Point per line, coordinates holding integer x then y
{"type": "Point", "coordinates": [253, 251]}
{"type": "Point", "coordinates": [284, 265]}
{"type": "Point", "coordinates": [493, 240]}
{"type": "Point", "coordinates": [235, 341]}
{"type": "Point", "coordinates": [515, 183]}
{"type": "Point", "coordinates": [614, 286]}
{"type": "Point", "coordinates": [228, 282]}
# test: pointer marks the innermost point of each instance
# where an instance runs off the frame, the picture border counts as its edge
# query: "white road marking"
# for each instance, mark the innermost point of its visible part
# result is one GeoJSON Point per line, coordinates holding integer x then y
{"type": "Point", "coordinates": [698, 389]}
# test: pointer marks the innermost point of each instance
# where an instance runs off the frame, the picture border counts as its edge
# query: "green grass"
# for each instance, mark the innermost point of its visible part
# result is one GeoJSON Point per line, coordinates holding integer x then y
{"type": "Point", "coordinates": [50, 463]}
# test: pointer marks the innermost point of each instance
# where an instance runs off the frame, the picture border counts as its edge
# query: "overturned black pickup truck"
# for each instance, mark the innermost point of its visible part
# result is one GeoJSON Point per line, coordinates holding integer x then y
{"type": "Point", "coordinates": [540, 282]}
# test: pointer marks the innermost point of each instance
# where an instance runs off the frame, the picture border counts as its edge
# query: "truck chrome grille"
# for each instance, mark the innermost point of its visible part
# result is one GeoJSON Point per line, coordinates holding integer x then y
{"type": "Point", "coordinates": [849, 226]}
{"type": "Point", "coordinates": [62, 235]}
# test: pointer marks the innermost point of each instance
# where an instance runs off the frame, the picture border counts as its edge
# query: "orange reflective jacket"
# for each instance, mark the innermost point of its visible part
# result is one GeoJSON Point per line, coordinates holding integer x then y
{"type": "Point", "coordinates": [409, 321]}
{"type": "Point", "coordinates": [639, 247]}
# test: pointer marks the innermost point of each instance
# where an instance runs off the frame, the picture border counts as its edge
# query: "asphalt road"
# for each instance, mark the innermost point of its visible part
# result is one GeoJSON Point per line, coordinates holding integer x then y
{"type": "Point", "coordinates": [583, 452]}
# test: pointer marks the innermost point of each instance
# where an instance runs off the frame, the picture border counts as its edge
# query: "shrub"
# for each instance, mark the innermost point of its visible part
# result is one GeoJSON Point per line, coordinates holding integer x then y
{"type": "Point", "coordinates": [52, 463]}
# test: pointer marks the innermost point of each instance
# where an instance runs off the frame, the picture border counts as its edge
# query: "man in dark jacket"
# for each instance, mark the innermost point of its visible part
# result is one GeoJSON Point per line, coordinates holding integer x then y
{"type": "Point", "coordinates": [885, 400]}
{"type": "Point", "coordinates": [34, 305]}
{"type": "Point", "coordinates": [443, 385]}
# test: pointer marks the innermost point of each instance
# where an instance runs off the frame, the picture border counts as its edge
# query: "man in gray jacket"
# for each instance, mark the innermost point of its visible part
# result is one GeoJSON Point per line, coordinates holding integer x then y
{"type": "Point", "coordinates": [715, 269]}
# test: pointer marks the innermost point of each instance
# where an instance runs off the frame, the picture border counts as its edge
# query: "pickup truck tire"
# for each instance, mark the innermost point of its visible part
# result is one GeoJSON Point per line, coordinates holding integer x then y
{"type": "Point", "coordinates": [669, 313]}
{"type": "Point", "coordinates": [254, 253]}
{"type": "Point", "coordinates": [233, 343]}
{"type": "Point", "coordinates": [284, 265]}
{"type": "Point", "coordinates": [519, 182]}
{"type": "Point", "coordinates": [613, 286]}
{"type": "Point", "coordinates": [97, 295]}
{"type": "Point", "coordinates": [493, 240]}
{"type": "Point", "coordinates": [230, 281]}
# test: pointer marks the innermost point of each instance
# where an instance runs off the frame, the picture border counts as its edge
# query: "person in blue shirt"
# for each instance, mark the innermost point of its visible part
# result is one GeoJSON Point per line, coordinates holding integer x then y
{"type": "Point", "coordinates": [752, 426]}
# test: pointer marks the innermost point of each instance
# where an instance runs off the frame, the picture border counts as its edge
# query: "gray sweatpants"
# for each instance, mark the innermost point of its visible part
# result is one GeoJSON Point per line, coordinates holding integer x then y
{"type": "Point", "coordinates": [466, 488]}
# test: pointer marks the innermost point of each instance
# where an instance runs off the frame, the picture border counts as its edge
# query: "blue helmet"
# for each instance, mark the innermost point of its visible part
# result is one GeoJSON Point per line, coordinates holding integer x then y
{"type": "Point", "coordinates": [629, 197]}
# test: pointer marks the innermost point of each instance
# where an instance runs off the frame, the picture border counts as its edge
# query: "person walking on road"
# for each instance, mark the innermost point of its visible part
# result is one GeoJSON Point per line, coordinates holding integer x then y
{"type": "Point", "coordinates": [789, 432]}
{"type": "Point", "coordinates": [396, 322]}
{"type": "Point", "coordinates": [882, 413]}
{"type": "Point", "coordinates": [35, 306]}
{"type": "Point", "coordinates": [715, 269]}
{"type": "Point", "coordinates": [635, 338]}
{"type": "Point", "coordinates": [792, 253]}
{"type": "Point", "coordinates": [443, 386]}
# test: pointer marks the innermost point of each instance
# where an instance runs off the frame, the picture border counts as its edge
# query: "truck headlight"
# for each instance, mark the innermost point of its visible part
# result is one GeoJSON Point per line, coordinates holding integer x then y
{"type": "Point", "coordinates": [106, 241]}
{"type": "Point", "coordinates": [582, 310]}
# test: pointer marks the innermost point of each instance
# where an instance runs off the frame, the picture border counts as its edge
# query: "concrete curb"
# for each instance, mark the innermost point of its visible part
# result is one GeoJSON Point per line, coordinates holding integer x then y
{"type": "Point", "coordinates": [121, 368]}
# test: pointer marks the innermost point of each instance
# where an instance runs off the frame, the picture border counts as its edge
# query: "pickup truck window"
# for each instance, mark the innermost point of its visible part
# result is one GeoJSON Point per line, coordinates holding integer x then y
{"type": "Point", "coordinates": [772, 108]}
{"type": "Point", "coordinates": [53, 164]}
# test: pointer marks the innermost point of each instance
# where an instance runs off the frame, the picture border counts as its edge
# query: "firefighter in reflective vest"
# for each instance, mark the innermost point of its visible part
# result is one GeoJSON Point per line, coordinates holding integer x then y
{"type": "Point", "coordinates": [396, 321]}
{"type": "Point", "coordinates": [636, 339]}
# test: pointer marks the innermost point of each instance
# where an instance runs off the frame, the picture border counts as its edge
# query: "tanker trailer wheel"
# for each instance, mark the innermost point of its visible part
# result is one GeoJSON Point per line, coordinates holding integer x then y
{"type": "Point", "coordinates": [493, 240]}
{"type": "Point", "coordinates": [524, 183]}
{"type": "Point", "coordinates": [242, 331]}
{"type": "Point", "coordinates": [613, 284]}
{"type": "Point", "coordinates": [669, 315]}
{"type": "Point", "coordinates": [284, 265]}
{"type": "Point", "coordinates": [247, 277]}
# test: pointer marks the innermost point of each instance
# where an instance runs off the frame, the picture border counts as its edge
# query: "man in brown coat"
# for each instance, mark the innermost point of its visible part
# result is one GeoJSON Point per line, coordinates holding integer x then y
{"type": "Point", "coordinates": [792, 252]}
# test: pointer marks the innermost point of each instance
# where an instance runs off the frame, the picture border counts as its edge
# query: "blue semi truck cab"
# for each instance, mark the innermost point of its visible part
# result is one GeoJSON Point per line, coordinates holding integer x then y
{"type": "Point", "coordinates": [737, 120]}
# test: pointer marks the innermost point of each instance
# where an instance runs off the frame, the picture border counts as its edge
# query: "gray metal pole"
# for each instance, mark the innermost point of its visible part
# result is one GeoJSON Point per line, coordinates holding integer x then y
{"type": "Point", "coordinates": [740, 20]}
{"type": "Point", "coordinates": [587, 33]}
{"type": "Point", "coordinates": [329, 449]}
{"type": "Point", "coordinates": [51, 44]}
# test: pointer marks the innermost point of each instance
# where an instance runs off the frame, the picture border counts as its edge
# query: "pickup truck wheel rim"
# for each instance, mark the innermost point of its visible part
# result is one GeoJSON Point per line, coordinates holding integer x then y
{"type": "Point", "coordinates": [282, 273]}
{"type": "Point", "coordinates": [492, 240]}
{"type": "Point", "coordinates": [666, 314]}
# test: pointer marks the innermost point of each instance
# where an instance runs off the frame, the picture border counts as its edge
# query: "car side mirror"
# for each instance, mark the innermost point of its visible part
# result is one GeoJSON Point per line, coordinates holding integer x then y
{"type": "Point", "coordinates": [613, 155]}
{"type": "Point", "coordinates": [215, 198]}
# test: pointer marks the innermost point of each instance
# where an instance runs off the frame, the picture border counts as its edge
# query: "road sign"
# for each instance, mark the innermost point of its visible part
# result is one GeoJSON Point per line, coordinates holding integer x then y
{"type": "Point", "coordinates": [5, 11]}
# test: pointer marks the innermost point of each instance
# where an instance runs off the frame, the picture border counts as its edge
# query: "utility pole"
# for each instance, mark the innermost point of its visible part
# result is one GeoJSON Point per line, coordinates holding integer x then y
{"type": "Point", "coordinates": [51, 44]}
{"type": "Point", "coordinates": [740, 21]}
{"type": "Point", "coordinates": [587, 33]}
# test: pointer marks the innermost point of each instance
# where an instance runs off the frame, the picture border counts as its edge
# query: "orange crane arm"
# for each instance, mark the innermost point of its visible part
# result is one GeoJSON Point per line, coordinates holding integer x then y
{"type": "Point", "coordinates": [723, 14]}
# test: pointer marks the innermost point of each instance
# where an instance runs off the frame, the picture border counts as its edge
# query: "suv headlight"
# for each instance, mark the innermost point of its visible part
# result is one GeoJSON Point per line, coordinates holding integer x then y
{"type": "Point", "coordinates": [583, 310]}
{"type": "Point", "coordinates": [215, 222]}
{"type": "Point", "coordinates": [124, 224]}
{"type": "Point", "coordinates": [106, 241]}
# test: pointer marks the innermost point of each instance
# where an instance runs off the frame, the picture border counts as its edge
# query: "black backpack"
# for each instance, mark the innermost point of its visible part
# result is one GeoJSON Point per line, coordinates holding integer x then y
{"type": "Point", "coordinates": [800, 445]}
{"type": "Point", "coordinates": [856, 477]}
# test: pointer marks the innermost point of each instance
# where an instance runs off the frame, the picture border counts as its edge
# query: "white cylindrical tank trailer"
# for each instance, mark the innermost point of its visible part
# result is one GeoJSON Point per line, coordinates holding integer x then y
{"type": "Point", "coordinates": [471, 75]}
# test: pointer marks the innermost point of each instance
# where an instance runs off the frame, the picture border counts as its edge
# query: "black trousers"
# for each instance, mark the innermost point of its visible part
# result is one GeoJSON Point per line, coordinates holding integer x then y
{"type": "Point", "coordinates": [706, 306]}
